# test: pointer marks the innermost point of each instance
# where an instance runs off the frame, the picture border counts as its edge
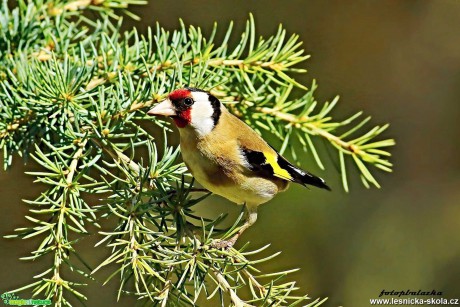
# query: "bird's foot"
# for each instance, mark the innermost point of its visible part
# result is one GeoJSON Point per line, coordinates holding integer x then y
{"type": "Point", "coordinates": [224, 244]}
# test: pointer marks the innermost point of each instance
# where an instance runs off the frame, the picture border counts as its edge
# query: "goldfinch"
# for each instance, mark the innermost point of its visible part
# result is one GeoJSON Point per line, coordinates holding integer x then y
{"type": "Point", "coordinates": [226, 156]}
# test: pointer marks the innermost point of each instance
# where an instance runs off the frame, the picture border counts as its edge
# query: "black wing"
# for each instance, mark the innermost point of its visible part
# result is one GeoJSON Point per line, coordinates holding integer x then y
{"type": "Point", "coordinates": [274, 165]}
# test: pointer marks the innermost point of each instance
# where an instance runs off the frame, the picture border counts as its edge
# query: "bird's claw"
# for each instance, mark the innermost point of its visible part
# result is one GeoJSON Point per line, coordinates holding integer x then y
{"type": "Point", "coordinates": [223, 244]}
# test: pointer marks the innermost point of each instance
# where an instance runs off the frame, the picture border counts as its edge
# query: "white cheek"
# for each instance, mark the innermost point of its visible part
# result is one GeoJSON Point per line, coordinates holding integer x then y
{"type": "Point", "coordinates": [201, 116]}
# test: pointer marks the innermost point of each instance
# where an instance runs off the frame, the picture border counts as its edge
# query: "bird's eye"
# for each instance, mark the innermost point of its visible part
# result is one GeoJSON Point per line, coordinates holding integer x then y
{"type": "Point", "coordinates": [188, 101]}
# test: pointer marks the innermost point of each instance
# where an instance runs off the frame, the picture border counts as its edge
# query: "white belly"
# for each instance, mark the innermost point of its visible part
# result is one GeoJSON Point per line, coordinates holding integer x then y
{"type": "Point", "coordinates": [238, 189]}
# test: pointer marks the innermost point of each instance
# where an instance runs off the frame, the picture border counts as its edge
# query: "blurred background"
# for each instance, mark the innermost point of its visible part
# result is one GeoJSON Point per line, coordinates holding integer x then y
{"type": "Point", "coordinates": [399, 61]}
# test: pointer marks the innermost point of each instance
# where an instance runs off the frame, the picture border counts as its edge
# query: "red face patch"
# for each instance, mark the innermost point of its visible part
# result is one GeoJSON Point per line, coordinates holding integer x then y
{"type": "Point", "coordinates": [179, 94]}
{"type": "Point", "coordinates": [183, 118]}
{"type": "Point", "coordinates": [183, 111]}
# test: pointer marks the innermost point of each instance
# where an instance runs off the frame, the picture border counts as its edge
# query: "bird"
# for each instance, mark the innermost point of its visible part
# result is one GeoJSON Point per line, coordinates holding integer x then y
{"type": "Point", "coordinates": [228, 157]}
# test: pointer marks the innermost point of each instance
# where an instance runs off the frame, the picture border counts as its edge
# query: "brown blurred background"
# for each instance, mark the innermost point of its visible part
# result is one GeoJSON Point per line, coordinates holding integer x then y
{"type": "Point", "coordinates": [396, 60]}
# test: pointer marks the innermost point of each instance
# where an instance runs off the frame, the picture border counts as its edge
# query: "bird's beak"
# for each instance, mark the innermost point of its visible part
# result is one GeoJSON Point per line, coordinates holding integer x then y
{"type": "Point", "coordinates": [164, 108]}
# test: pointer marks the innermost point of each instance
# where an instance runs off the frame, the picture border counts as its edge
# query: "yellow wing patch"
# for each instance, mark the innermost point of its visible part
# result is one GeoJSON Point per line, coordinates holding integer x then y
{"type": "Point", "coordinates": [278, 171]}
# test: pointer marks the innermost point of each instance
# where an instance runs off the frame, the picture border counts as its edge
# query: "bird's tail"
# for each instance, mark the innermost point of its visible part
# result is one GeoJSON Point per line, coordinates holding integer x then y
{"type": "Point", "coordinates": [300, 176]}
{"type": "Point", "coordinates": [310, 179]}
